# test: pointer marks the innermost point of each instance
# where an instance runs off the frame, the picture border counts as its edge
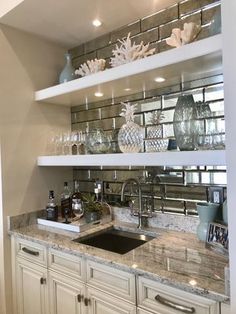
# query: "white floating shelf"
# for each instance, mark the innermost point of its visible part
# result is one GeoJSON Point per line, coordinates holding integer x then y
{"type": "Point", "coordinates": [184, 158]}
{"type": "Point", "coordinates": [193, 61]}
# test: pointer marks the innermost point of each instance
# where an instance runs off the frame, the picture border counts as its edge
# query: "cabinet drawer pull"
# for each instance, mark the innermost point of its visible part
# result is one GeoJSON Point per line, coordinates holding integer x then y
{"type": "Point", "coordinates": [35, 253]}
{"type": "Point", "coordinates": [42, 281]}
{"type": "Point", "coordinates": [173, 305]}
{"type": "Point", "coordinates": [80, 297]}
{"type": "Point", "coordinates": [86, 301]}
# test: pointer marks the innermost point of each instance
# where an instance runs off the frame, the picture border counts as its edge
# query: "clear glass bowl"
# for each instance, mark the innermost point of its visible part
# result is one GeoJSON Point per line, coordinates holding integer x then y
{"type": "Point", "coordinates": [97, 142]}
{"type": "Point", "coordinates": [156, 144]}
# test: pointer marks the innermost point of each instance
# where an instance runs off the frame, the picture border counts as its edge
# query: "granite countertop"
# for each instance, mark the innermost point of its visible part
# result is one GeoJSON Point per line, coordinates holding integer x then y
{"type": "Point", "coordinates": [174, 258]}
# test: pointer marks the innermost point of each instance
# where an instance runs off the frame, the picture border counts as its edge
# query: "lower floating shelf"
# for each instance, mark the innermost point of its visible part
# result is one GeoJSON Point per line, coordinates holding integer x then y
{"type": "Point", "coordinates": [176, 158]}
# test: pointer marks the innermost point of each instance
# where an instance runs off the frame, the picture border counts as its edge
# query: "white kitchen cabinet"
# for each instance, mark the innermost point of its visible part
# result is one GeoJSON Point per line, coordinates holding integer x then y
{"type": "Point", "coordinates": [99, 302]}
{"type": "Point", "coordinates": [111, 280]}
{"type": "Point", "coordinates": [75, 285]}
{"type": "Point", "coordinates": [225, 308]}
{"type": "Point", "coordinates": [31, 288]}
{"type": "Point", "coordinates": [162, 299]}
{"type": "Point", "coordinates": [29, 277]}
{"type": "Point", "coordinates": [66, 295]}
{"type": "Point", "coordinates": [80, 286]}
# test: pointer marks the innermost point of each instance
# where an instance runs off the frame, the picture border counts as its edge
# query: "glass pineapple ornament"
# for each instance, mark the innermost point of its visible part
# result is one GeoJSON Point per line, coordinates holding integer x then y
{"type": "Point", "coordinates": [155, 141]}
{"type": "Point", "coordinates": [130, 136]}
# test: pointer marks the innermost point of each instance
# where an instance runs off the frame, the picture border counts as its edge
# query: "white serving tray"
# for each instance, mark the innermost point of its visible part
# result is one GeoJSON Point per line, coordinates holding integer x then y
{"type": "Point", "coordinates": [76, 226]}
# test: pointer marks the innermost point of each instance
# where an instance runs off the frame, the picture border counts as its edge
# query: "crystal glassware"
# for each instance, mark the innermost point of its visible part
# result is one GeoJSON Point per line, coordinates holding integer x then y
{"type": "Point", "coordinates": [156, 144]}
{"type": "Point", "coordinates": [97, 142]}
{"type": "Point", "coordinates": [130, 137]}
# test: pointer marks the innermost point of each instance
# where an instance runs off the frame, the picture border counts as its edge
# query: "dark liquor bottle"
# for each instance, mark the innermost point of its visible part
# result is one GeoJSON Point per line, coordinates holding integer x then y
{"type": "Point", "coordinates": [76, 201]}
{"type": "Point", "coordinates": [51, 208]}
{"type": "Point", "coordinates": [66, 201]}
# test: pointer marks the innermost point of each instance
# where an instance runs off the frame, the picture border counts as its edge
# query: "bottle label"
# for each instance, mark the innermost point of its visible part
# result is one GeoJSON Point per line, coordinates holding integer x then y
{"type": "Point", "coordinates": [52, 213]}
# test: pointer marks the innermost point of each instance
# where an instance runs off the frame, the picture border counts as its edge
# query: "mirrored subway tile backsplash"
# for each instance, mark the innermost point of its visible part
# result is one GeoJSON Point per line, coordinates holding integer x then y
{"type": "Point", "coordinates": [167, 189]}
{"type": "Point", "coordinates": [173, 190]}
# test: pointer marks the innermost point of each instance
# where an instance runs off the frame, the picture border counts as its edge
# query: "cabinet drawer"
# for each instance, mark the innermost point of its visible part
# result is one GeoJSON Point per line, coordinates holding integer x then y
{"type": "Point", "coordinates": [67, 264]}
{"type": "Point", "coordinates": [114, 281]}
{"type": "Point", "coordinates": [31, 251]}
{"type": "Point", "coordinates": [102, 303]}
{"type": "Point", "coordinates": [162, 299]}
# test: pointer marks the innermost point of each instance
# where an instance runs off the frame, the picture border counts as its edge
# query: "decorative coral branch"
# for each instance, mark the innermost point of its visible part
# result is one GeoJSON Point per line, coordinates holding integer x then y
{"type": "Point", "coordinates": [91, 66]}
{"type": "Point", "coordinates": [179, 38]}
{"type": "Point", "coordinates": [128, 52]}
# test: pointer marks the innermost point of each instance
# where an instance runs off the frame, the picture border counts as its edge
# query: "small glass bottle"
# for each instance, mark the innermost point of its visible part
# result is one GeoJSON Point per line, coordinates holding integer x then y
{"type": "Point", "coordinates": [51, 208]}
{"type": "Point", "coordinates": [66, 201]}
{"type": "Point", "coordinates": [68, 72]}
{"type": "Point", "coordinates": [76, 201]}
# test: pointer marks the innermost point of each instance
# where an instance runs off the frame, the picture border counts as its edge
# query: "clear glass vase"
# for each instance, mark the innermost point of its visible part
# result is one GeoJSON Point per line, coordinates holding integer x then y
{"type": "Point", "coordinates": [68, 72]}
{"type": "Point", "coordinates": [184, 122]}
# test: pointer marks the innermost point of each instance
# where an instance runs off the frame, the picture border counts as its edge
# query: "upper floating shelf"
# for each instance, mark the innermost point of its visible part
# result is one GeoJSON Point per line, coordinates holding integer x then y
{"type": "Point", "coordinates": [193, 61]}
{"type": "Point", "coordinates": [184, 158]}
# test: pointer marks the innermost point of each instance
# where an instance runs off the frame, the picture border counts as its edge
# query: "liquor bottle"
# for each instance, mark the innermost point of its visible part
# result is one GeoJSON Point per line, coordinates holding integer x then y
{"type": "Point", "coordinates": [66, 201]}
{"type": "Point", "coordinates": [51, 208]}
{"type": "Point", "coordinates": [76, 201]}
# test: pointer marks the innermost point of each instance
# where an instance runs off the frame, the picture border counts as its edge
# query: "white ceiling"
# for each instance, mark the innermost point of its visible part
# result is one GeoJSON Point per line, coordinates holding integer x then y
{"type": "Point", "coordinates": [68, 22]}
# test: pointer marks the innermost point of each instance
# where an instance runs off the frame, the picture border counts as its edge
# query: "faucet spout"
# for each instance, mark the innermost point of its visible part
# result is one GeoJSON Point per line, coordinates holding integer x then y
{"type": "Point", "coordinates": [135, 181]}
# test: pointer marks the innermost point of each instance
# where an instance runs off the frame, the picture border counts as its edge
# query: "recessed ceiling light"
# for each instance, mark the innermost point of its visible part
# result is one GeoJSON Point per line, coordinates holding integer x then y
{"type": "Point", "coordinates": [97, 23]}
{"type": "Point", "coordinates": [127, 89]}
{"type": "Point", "coordinates": [98, 94]}
{"type": "Point", "coordinates": [159, 79]}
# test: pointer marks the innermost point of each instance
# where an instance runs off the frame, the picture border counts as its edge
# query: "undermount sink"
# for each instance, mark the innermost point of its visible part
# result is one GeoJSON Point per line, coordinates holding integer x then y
{"type": "Point", "coordinates": [115, 240]}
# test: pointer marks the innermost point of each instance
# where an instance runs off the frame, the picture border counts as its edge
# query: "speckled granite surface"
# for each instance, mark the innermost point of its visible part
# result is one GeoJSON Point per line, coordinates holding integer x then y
{"type": "Point", "coordinates": [160, 220]}
{"type": "Point", "coordinates": [174, 258]}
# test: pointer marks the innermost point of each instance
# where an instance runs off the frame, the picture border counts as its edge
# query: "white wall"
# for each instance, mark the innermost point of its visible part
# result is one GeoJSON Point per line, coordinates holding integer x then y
{"type": "Point", "coordinates": [26, 64]}
{"type": "Point", "coordinates": [229, 64]}
{"type": "Point", "coordinates": [8, 5]}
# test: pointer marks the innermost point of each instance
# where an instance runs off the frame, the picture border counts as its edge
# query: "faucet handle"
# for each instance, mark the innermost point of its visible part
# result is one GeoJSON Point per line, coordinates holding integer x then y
{"type": "Point", "coordinates": [131, 206]}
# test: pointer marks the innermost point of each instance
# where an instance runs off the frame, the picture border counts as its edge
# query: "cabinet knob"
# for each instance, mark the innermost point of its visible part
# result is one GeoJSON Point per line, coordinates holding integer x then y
{"type": "Point", "coordinates": [86, 301]}
{"type": "Point", "coordinates": [43, 281]}
{"type": "Point", "coordinates": [173, 305]}
{"type": "Point", "coordinates": [80, 297]}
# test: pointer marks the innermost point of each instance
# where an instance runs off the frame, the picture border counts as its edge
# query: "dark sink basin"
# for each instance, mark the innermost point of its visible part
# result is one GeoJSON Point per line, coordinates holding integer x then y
{"type": "Point", "coordinates": [114, 240]}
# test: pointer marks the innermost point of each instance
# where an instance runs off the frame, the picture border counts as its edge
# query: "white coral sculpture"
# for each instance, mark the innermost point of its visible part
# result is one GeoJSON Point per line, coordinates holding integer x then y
{"type": "Point", "coordinates": [128, 52]}
{"type": "Point", "coordinates": [128, 111]}
{"type": "Point", "coordinates": [190, 32]}
{"type": "Point", "coordinates": [91, 66]}
{"type": "Point", "coordinates": [179, 38]}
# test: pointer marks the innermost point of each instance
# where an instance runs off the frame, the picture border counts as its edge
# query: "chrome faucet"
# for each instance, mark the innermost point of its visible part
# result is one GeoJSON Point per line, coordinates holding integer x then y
{"type": "Point", "coordinates": [140, 213]}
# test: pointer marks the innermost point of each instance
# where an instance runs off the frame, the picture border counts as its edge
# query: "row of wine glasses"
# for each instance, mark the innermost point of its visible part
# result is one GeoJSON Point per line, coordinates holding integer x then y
{"type": "Point", "coordinates": [67, 143]}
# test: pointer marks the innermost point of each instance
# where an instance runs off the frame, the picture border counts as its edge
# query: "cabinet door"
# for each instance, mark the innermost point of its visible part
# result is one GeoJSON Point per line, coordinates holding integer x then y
{"type": "Point", "coordinates": [31, 288]}
{"type": "Point", "coordinates": [66, 295]}
{"type": "Point", "coordinates": [225, 308]}
{"type": "Point", "coordinates": [99, 302]}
